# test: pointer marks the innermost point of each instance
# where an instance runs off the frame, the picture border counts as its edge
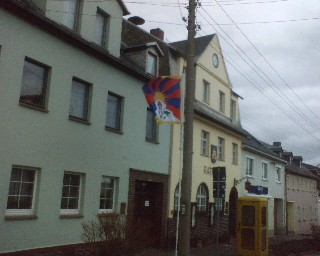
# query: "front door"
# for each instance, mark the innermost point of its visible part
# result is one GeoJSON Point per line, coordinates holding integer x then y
{"type": "Point", "coordinates": [148, 210]}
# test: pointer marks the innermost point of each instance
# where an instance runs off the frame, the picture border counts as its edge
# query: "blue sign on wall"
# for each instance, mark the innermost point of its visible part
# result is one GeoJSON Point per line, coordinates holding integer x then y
{"type": "Point", "coordinates": [258, 190]}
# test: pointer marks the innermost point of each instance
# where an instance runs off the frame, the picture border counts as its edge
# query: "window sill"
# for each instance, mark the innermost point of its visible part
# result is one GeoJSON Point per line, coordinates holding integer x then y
{"type": "Point", "coordinates": [82, 121]}
{"type": "Point", "coordinates": [152, 141]}
{"type": "Point", "coordinates": [27, 105]}
{"type": "Point", "coordinates": [204, 155]}
{"type": "Point", "coordinates": [71, 216]}
{"type": "Point", "coordinates": [20, 217]}
{"type": "Point", "coordinates": [107, 128]}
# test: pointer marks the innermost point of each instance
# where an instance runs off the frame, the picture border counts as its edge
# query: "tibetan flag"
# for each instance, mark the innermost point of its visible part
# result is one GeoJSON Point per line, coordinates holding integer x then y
{"type": "Point", "coordinates": [163, 96]}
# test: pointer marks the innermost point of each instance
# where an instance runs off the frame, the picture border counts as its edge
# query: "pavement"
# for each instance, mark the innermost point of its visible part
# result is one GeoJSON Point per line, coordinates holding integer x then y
{"type": "Point", "coordinates": [227, 249]}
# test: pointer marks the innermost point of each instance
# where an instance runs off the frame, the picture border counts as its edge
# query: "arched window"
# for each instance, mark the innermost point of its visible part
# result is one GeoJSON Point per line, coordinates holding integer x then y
{"type": "Point", "coordinates": [202, 197]}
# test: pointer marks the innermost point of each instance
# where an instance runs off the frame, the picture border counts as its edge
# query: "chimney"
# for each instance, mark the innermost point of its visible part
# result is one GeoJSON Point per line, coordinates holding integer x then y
{"type": "Point", "coordinates": [277, 144]}
{"type": "Point", "coordinates": [157, 32]}
{"type": "Point", "coordinates": [287, 156]}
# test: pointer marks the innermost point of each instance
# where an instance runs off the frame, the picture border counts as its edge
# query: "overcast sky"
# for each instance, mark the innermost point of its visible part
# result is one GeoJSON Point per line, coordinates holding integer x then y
{"type": "Point", "coordinates": [272, 52]}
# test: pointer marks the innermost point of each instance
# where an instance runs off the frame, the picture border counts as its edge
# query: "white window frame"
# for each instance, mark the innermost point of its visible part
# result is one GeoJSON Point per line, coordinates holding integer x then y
{"type": "Point", "coordinates": [202, 198]}
{"type": "Point", "coordinates": [278, 174]}
{"type": "Point", "coordinates": [114, 112]}
{"type": "Point", "coordinates": [101, 31]}
{"type": "Point", "coordinates": [152, 64]}
{"type": "Point", "coordinates": [206, 92]}
{"type": "Point", "coordinates": [151, 127]}
{"type": "Point", "coordinates": [72, 11]}
{"type": "Point", "coordinates": [75, 99]}
{"type": "Point", "coordinates": [77, 210]}
{"type": "Point", "coordinates": [221, 149]}
{"type": "Point", "coordinates": [205, 139]}
{"type": "Point", "coordinates": [247, 166]}
{"type": "Point", "coordinates": [264, 171]}
{"type": "Point", "coordinates": [235, 153]}
{"type": "Point", "coordinates": [29, 211]}
{"type": "Point", "coordinates": [114, 190]}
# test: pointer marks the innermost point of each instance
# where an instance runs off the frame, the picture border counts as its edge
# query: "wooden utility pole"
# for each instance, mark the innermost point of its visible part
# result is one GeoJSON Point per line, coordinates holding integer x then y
{"type": "Point", "coordinates": [185, 219]}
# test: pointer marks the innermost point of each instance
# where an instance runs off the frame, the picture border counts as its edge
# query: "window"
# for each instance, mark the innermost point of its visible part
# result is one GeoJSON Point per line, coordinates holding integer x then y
{"type": "Point", "coordinates": [151, 64]}
{"type": "Point", "coordinates": [79, 102]}
{"type": "Point", "coordinates": [233, 110]}
{"type": "Point", "coordinates": [114, 111]}
{"type": "Point", "coordinates": [249, 169]}
{"type": "Point", "coordinates": [71, 10]}
{"type": "Point", "coordinates": [151, 127]}
{"type": "Point", "coordinates": [204, 150]}
{"type": "Point", "coordinates": [176, 198]}
{"type": "Point", "coordinates": [234, 153]}
{"type": "Point", "coordinates": [278, 174]}
{"type": "Point", "coordinates": [206, 92]}
{"type": "Point", "coordinates": [202, 198]}
{"type": "Point", "coordinates": [221, 101]}
{"type": "Point", "coordinates": [220, 149]}
{"type": "Point", "coordinates": [71, 193]}
{"type": "Point", "coordinates": [264, 171]}
{"type": "Point", "coordinates": [107, 194]}
{"type": "Point", "coordinates": [34, 83]}
{"type": "Point", "coordinates": [21, 196]}
{"type": "Point", "coordinates": [101, 27]}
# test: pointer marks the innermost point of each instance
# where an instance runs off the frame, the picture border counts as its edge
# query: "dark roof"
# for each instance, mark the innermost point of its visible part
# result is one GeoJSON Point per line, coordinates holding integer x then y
{"type": "Point", "coordinates": [303, 171]}
{"type": "Point", "coordinates": [201, 43]}
{"type": "Point", "coordinates": [254, 144]}
{"type": "Point", "coordinates": [214, 116]}
{"type": "Point", "coordinates": [30, 14]}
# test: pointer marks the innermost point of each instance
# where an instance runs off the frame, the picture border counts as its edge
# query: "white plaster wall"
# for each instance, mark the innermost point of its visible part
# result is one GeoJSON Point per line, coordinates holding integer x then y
{"type": "Point", "coordinates": [55, 144]}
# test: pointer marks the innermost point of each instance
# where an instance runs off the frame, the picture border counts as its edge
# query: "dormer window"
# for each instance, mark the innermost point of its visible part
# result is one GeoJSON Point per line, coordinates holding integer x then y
{"type": "Point", "coordinates": [101, 27]}
{"type": "Point", "coordinates": [151, 64]}
{"type": "Point", "coordinates": [71, 9]}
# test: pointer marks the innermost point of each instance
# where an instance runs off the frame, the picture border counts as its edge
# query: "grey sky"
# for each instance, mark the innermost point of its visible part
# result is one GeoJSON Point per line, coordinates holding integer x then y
{"type": "Point", "coordinates": [281, 102]}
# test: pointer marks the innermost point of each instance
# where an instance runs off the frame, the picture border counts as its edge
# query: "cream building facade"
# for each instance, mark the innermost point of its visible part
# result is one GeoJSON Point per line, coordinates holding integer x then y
{"type": "Point", "coordinates": [216, 122]}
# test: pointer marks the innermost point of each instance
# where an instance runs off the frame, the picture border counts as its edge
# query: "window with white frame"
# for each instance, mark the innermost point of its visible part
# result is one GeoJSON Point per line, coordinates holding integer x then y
{"type": "Point", "coordinates": [107, 194]}
{"type": "Point", "coordinates": [71, 10]}
{"type": "Point", "coordinates": [34, 85]}
{"type": "Point", "coordinates": [206, 92]}
{"type": "Point", "coordinates": [114, 111]}
{"type": "Point", "coordinates": [101, 27]}
{"type": "Point", "coordinates": [204, 150]}
{"type": "Point", "coordinates": [202, 198]}
{"type": "Point", "coordinates": [278, 174]}
{"type": "Point", "coordinates": [222, 101]}
{"type": "Point", "coordinates": [221, 149]}
{"type": "Point", "coordinates": [22, 189]}
{"type": "Point", "coordinates": [264, 174]}
{"type": "Point", "coordinates": [234, 153]}
{"type": "Point", "coordinates": [151, 127]}
{"type": "Point", "coordinates": [249, 167]}
{"type": "Point", "coordinates": [71, 193]}
{"type": "Point", "coordinates": [79, 102]}
{"type": "Point", "coordinates": [151, 64]}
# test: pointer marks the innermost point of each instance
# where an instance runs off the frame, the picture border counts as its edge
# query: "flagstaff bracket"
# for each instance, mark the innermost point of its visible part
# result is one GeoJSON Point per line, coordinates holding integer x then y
{"type": "Point", "coordinates": [246, 185]}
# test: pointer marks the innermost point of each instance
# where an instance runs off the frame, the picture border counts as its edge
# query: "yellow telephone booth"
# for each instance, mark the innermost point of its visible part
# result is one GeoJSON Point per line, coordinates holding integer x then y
{"type": "Point", "coordinates": [252, 231]}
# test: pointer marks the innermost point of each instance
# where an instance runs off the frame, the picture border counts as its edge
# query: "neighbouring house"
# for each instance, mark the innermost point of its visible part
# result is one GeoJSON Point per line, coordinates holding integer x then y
{"type": "Point", "coordinates": [265, 170]}
{"type": "Point", "coordinates": [216, 122]}
{"type": "Point", "coordinates": [301, 193]}
{"type": "Point", "coordinates": [77, 136]}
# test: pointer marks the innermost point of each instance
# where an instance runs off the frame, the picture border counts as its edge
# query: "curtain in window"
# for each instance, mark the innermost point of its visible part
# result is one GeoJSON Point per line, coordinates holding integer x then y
{"type": "Point", "coordinates": [71, 9]}
{"type": "Point", "coordinates": [151, 132]}
{"type": "Point", "coordinates": [113, 112]}
{"type": "Point", "coordinates": [32, 80]}
{"type": "Point", "coordinates": [100, 29]}
{"type": "Point", "coordinates": [152, 64]}
{"type": "Point", "coordinates": [78, 102]}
